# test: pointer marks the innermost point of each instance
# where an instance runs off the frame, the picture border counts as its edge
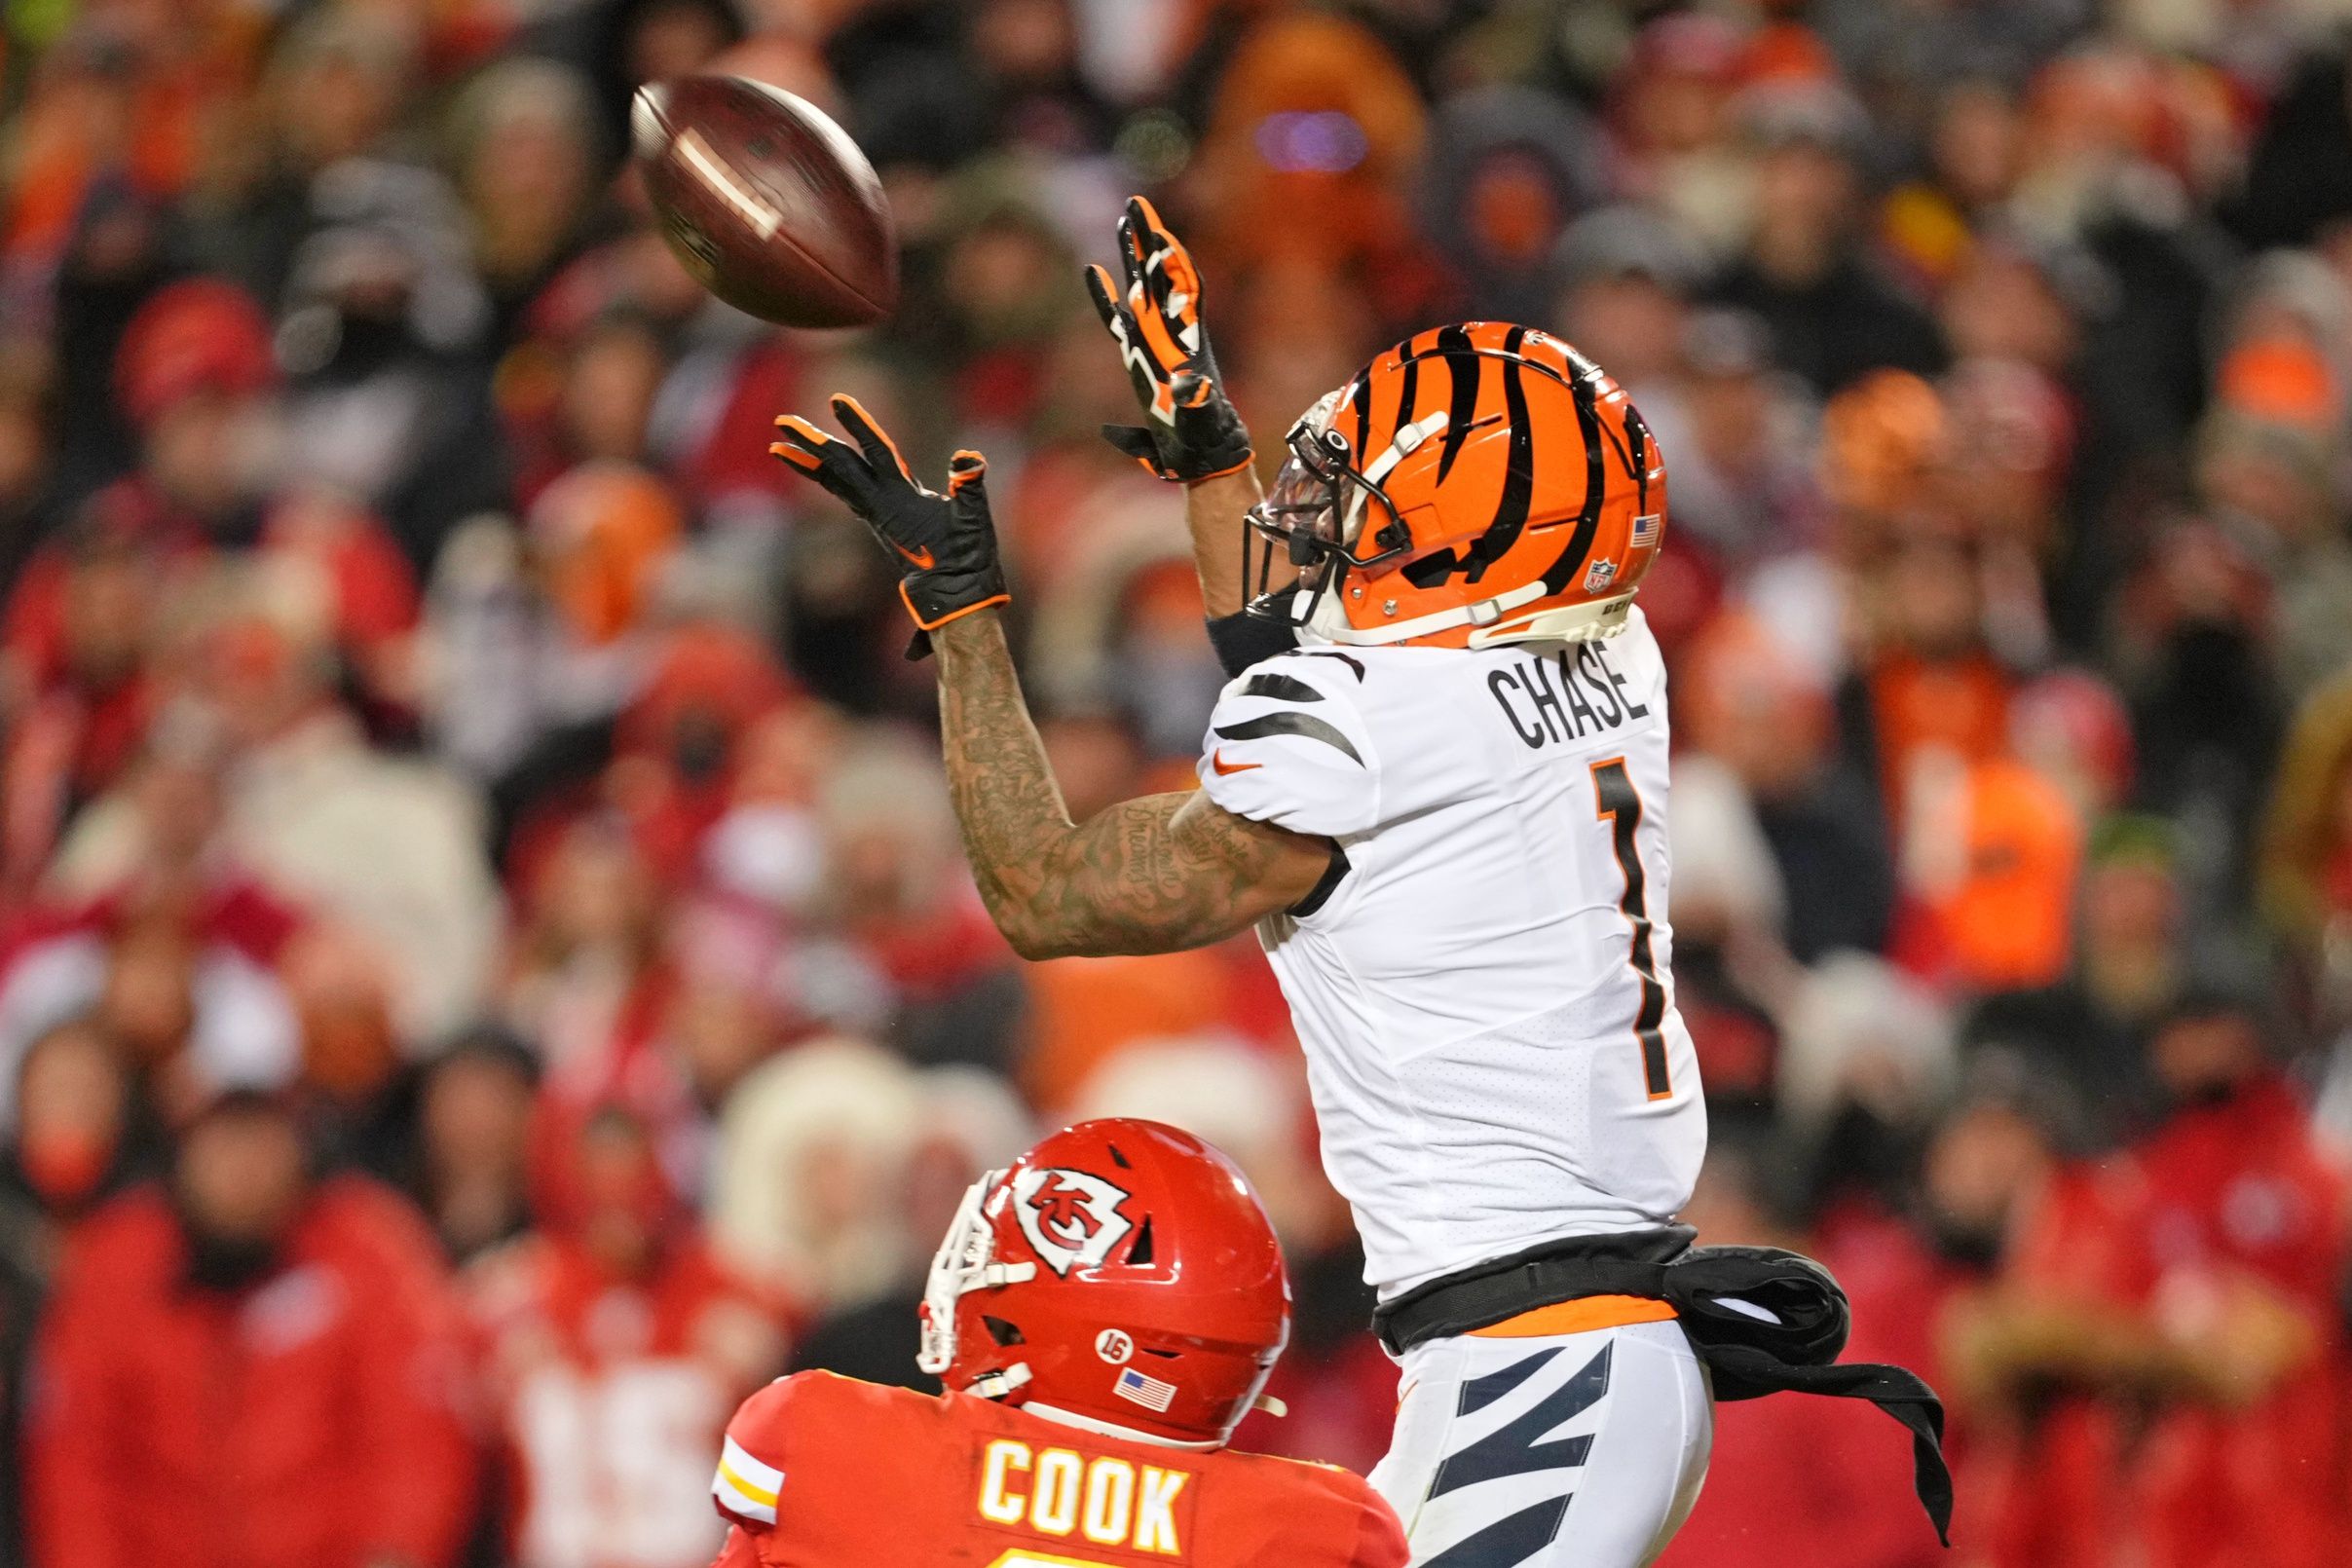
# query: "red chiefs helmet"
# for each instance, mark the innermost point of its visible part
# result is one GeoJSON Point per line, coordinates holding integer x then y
{"type": "Point", "coordinates": [1119, 1276]}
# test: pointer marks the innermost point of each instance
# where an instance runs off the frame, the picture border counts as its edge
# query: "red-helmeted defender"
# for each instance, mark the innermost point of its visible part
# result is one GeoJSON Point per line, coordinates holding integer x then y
{"type": "Point", "coordinates": [1102, 1312]}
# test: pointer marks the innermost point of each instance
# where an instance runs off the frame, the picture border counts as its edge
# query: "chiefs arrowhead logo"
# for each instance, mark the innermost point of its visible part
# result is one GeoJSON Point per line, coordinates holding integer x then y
{"type": "Point", "coordinates": [1072, 1217]}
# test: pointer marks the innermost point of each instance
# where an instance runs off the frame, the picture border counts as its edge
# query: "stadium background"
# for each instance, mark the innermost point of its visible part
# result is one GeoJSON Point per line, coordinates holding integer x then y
{"type": "Point", "coordinates": [433, 724]}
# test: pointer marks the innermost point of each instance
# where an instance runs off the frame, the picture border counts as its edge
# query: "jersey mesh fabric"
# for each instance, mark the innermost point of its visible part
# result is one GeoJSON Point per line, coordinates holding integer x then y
{"type": "Point", "coordinates": [1486, 998]}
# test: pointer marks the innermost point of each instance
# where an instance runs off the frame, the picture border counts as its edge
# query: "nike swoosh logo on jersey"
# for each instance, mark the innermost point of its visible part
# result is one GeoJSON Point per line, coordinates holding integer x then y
{"type": "Point", "coordinates": [1216, 760]}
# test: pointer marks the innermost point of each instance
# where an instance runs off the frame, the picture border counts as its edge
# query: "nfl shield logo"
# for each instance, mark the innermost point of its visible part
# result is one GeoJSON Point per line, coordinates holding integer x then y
{"type": "Point", "coordinates": [1599, 575]}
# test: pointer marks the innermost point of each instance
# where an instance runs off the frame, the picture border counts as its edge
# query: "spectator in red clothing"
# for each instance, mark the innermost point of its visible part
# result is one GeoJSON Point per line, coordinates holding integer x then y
{"type": "Point", "coordinates": [616, 1347]}
{"type": "Point", "coordinates": [346, 555]}
{"type": "Point", "coordinates": [1923, 1289]}
{"type": "Point", "coordinates": [250, 1368]}
{"type": "Point", "coordinates": [588, 981]}
{"type": "Point", "coordinates": [1797, 1480]}
{"type": "Point", "coordinates": [72, 1149]}
{"type": "Point", "coordinates": [75, 690]}
{"type": "Point", "coordinates": [196, 375]}
{"type": "Point", "coordinates": [357, 1101]}
{"type": "Point", "coordinates": [2245, 1227]}
{"type": "Point", "coordinates": [157, 847]}
{"type": "Point", "coordinates": [192, 1011]}
{"type": "Point", "coordinates": [2166, 1352]}
{"type": "Point", "coordinates": [77, 1141]}
{"type": "Point", "coordinates": [906, 913]}
{"type": "Point", "coordinates": [678, 740]}
{"type": "Point", "coordinates": [473, 1126]}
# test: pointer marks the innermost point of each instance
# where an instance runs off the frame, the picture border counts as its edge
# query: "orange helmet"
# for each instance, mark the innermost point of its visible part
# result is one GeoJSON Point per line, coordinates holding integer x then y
{"type": "Point", "coordinates": [1478, 484]}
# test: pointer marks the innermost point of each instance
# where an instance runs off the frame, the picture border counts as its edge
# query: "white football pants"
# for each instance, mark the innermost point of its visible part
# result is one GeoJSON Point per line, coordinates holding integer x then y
{"type": "Point", "coordinates": [1579, 1451]}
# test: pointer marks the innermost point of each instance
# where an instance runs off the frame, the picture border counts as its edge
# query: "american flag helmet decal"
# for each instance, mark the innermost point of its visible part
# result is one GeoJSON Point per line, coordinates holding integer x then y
{"type": "Point", "coordinates": [1143, 1389]}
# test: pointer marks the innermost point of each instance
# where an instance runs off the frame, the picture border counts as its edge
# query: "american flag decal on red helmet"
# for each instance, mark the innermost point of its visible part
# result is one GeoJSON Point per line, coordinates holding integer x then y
{"type": "Point", "coordinates": [1144, 1390]}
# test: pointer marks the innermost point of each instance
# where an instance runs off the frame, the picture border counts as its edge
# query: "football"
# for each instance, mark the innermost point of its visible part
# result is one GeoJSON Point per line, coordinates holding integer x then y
{"type": "Point", "coordinates": [767, 203]}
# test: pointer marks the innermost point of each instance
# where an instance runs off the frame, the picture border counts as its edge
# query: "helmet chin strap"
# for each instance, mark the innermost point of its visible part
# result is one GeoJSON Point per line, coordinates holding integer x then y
{"type": "Point", "coordinates": [1584, 622]}
{"type": "Point", "coordinates": [997, 1385]}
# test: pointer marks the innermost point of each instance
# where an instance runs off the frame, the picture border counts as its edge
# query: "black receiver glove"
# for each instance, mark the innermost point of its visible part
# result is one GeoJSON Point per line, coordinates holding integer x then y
{"type": "Point", "coordinates": [1191, 431]}
{"type": "Point", "coordinates": [949, 541]}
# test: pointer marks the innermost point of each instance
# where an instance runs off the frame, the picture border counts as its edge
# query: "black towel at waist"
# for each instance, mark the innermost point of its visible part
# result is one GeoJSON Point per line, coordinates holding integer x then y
{"type": "Point", "coordinates": [1763, 1319]}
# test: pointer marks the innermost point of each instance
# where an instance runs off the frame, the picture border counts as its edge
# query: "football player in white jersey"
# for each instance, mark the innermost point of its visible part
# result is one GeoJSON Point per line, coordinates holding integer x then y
{"type": "Point", "coordinates": [1436, 787]}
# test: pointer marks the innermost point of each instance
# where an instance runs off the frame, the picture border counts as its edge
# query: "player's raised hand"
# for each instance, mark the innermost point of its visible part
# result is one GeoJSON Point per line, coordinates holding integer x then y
{"type": "Point", "coordinates": [948, 543]}
{"type": "Point", "coordinates": [1191, 431]}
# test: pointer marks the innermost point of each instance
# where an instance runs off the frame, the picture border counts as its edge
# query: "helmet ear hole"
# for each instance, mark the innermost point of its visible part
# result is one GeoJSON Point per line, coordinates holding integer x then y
{"type": "Point", "coordinates": [1003, 1332]}
{"type": "Point", "coordinates": [1431, 570]}
{"type": "Point", "coordinates": [1139, 1252]}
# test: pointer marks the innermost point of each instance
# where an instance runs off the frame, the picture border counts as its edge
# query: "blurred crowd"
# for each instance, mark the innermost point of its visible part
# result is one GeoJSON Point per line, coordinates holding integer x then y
{"type": "Point", "coordinates": [486, 972]}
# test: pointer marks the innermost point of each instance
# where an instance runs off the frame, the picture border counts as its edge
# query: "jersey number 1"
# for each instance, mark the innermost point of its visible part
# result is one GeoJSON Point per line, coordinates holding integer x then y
{"type": "Point", "coordinates": [1618, 804]}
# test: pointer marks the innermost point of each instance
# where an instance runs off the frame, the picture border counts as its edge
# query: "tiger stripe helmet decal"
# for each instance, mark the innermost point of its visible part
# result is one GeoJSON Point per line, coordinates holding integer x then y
{"type": "Point", "coordinates": [1477, 484]}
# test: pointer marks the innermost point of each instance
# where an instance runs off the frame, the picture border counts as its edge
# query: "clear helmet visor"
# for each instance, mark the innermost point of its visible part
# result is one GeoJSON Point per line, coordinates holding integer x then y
{"type": "Point", "coordinates": [1305, 496]}
{"type": "Point", "coordinates": [1314, 509]}
{"type": "Point", "coordinates": [1311, 517]}
{"type": "Point", "coordinates": [1299, 502]}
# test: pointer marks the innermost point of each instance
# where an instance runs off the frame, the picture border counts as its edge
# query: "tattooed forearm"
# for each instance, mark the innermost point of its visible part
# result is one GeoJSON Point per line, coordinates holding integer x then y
{"type": "Point", "coordinates": [1153, 875]}
{"type": "Point", "coordinates": [1006, 801]}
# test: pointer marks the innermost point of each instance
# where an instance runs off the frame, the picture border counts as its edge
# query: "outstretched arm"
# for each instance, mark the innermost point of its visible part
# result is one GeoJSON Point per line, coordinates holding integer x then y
{"type": "Point", "coordinates": [1148, 875]}
{"type": "Point", "coordinates": [1191, 435]}
{"type": "Point", "coordinates": [1153, 875]}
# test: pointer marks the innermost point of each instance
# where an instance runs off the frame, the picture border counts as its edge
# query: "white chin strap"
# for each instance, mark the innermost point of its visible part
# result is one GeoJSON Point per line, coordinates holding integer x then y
{"type": "Point", "coordinates": [961, 1266]}
{"type": "Point", "coordinates": [997, 1385]}
{"type": "Point", "coordinates": [1493, 617]}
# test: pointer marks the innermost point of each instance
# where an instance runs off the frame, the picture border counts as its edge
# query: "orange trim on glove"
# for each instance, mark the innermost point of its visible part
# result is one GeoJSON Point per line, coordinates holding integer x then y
{"type": "Point", "coordinates": [844, 401]}
{"type": "Point", "coordinates": [952, 614]}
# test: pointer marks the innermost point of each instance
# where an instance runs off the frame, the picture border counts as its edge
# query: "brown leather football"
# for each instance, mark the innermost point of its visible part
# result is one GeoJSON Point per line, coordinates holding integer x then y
{"type": "Point", "coordinates": [767, 203]}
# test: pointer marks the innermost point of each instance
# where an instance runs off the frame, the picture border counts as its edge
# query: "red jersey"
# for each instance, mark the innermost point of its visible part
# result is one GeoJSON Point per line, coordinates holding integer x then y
{"type": "Point", "coordinates": [2240, 1189]}
{"type": "Point", "coordinates": [610, 1391]}
{"type": "Point", "coordinates": [313, 1421]}
{"type": "Point", "coordinates": [825, 1472]}
{"type": "Point", "coordinates": [2219, 1192]}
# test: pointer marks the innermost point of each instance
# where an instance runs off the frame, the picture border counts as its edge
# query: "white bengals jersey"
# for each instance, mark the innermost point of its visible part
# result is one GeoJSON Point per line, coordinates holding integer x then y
{"type": "Point", "coordinates": [1484, 993]}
